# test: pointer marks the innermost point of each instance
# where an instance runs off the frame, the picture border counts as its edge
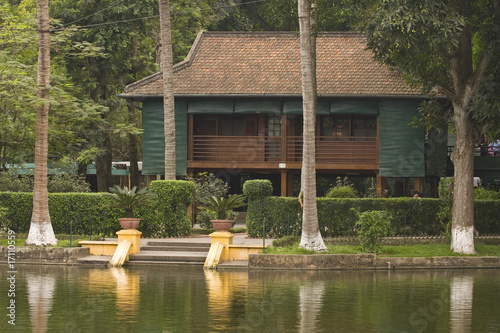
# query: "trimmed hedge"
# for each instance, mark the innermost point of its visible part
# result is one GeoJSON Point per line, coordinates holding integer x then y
{"type": "Point", "coordinates": [337, 217]}
{"type": "Point", "coordinates": [167, 218]}
{"type": "Point", "coordinates": [85, 210]}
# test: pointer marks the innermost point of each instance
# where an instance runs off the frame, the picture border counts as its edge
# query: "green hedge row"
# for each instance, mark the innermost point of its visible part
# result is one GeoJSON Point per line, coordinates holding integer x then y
{"type": "Point", "coordinates": [337, 217]}
{"type": "Point", "coordinates": [87, 212]}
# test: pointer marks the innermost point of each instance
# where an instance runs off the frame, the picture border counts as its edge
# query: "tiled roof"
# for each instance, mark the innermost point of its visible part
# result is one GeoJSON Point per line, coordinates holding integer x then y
{"type": "Point", "coordinates": [268, 63]}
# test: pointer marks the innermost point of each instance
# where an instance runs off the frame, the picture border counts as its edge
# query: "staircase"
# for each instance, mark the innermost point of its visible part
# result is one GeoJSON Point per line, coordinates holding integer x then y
{"type": "Point", "coordinates": [165, 252]}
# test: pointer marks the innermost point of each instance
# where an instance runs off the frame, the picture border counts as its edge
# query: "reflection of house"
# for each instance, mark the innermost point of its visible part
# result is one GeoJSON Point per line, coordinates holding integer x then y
{"type": "Point", "coordinates": [239, 111]}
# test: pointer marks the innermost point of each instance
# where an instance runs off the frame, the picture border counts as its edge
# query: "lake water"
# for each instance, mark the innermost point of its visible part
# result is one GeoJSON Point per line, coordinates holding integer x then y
{"type": "Point", "coordinates": [54, 298]}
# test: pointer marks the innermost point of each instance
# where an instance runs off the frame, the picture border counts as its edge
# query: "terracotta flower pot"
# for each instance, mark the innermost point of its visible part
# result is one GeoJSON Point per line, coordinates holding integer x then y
{"type": "Point", "coordinates": [222, 225]}
{"type": "Point", "coordinates": [129, 222]}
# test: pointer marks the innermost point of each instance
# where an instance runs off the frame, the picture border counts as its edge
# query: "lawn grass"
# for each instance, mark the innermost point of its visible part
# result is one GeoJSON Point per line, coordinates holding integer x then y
{"type": "Point", "coordinates": [418, 250]}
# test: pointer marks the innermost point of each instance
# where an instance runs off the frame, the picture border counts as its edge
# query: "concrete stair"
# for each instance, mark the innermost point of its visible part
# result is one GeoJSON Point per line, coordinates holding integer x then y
{"type": "Point", "coordinates": [171, 253]}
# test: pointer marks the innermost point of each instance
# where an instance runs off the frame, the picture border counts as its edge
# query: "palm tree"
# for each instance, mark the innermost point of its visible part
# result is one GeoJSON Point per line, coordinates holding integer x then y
{"type": "Point", "coordinates": [41, 232]}
{"type": "Point", "coordinates": [166, 65]}
{"type": "Point", "coordinates": [311, 236]}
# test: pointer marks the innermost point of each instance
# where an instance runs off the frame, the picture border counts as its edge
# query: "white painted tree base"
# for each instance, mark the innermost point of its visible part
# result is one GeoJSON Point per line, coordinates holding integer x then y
{"type": "Point", "coordinates": [41, 234]}
{"type": "Point", "coordinates": [312, 242]}
{"type": "Point", "coordinates": [462, 240]}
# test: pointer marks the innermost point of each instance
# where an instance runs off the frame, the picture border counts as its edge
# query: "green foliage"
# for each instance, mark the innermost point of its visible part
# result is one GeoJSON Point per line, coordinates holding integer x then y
{"type": "Point", "coordinates": [257, 189]}
{"type": "Point", "coordinates": [286, 241]}
{"type": "Point", "coordinates": [67, 182]}
{"type": "Point", "coordinates": [208, 185]}
{"type": "Point", "coordinates": [342, 192]}
{"type": "Point", "coordinates": [481, 193]}
{"type": "Point", "coordinates": [416, 37]}
{"type": "Point", "coordinates": [58, 183]}
{"type": "Point", "coordinates": [221, 206]}
{"type": "Point", "coordinates": [128, 200]}
{"type": "Point", "coordinates": [12, 182]}
{"type": "Point", "coordinates": [446, 188]}
{"type": "Point", "coordinates": [86, 213]}
{"type": "Point", "coordinates": [204, 217]}
{"type": "Point", "coordinates": [169, 218]}
{"type": "Point", "coordinates": [373, 226]}
{"type": "Point", "coordinates": [410, 217]}
{"type": "Point", "coordinates": [81, 212]}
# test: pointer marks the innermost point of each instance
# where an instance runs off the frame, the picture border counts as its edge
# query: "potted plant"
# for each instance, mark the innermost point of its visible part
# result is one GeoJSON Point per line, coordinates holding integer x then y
{"type": "Point", "coordinates": [224, 209]}
{"type": "Point", "coordinates": [128, 200]}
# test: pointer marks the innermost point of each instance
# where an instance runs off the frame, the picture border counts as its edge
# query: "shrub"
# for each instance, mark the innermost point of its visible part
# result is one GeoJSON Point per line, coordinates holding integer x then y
{"type": "Point", "coordinates": [81, 213]}
{"type": "Point", "coordinates": [208, 185]}
{"type": "Point", "coordinates": [10, 181]}
{"type": "Point", "coordinates": [342, 192]}
{"type": "Point", "coordinates": [481, 193]}
{"type": "Point", "coordinates": [373, 226]}
{"type": "Point", "coordinates": [204, 217]}
{"type": "Point", "coordinates": [67, 182]}
{"type": "Point", "coordinates": [169, 218]}
{"type": "Point", "coordinates": [286, 241]}
{"type": "Point", "coordinates": [59, 183]}
{"type": "Point", "coordinates": [88, 212]}
{"type": "Point", "coordinates": [257, 189]}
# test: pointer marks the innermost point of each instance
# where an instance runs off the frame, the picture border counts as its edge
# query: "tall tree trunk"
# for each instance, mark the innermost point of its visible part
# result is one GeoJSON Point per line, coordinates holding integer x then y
{"type": "Point", "coordinates": [311, 236]}
{"type": "Point", "coordinates": [465, 82]}
{"type": "Point", "coordinates": [168, 89]}
{"type": "Point", "coordinates": [41, 232]}
{"type": "Point", "coordinates": [103, 165]}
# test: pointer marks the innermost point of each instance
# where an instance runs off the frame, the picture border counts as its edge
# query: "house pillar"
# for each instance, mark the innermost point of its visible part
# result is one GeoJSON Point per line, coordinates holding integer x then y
{"type": "Point", "coordinates": [419, 184]}
{"type": "Point", "coordinates": [291, 176]}
{"type": "Point", "coordinates": [284, 183]}
{"type": "Point", "coordinates": [381, 186]}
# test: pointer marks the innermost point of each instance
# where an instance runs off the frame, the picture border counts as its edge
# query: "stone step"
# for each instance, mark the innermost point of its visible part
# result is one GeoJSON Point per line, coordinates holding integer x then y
{"type": "Point", "coordinates": [196, 245]}
{"type": "Point", "coordinates": [167, 256]}
{"type": "Point", "coordinates": [176, 246]}
{"type": "Point", "coordinates": [173, 263]}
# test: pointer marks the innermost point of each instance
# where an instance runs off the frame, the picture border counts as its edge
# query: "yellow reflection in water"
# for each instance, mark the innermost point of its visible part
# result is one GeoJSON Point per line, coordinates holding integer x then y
{"type": "Point", "coordinates": [221, 294]}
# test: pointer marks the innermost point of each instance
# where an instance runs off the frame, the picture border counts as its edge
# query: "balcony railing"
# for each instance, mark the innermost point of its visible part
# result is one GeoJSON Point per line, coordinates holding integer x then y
{"type": "Point", "coordinates": [269, 148]}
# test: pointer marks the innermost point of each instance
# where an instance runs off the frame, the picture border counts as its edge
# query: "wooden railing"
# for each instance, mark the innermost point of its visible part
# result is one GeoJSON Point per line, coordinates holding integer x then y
{"type": "Point", "coordinates": [268, 148]}
{"type": "Point", "coordinates": [236, 148]}
{"type": "Point", "coordinates": [336, 150]}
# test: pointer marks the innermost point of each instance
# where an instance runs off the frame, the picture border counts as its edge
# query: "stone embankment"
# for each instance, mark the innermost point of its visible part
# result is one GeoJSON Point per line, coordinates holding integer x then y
{"type": "Point", "coordinates": [366, 261]}
{"type": "Point", "coordinates": [44, 255]}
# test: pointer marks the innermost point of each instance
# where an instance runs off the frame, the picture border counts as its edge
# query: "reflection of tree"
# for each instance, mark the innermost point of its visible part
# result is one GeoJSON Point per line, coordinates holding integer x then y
{"type": "Point", "coordinates": [311, 300]}
{"type": "Point", "coordinates": [40, 295]}
{"type": "Point", "coordinates": [461, 289]}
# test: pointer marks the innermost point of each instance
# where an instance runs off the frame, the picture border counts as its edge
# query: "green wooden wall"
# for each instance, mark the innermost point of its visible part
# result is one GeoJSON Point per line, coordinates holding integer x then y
{"type": "Point", "coordinates": [153, 147]}
{"type": "Point", "coordinates": [401, 146]}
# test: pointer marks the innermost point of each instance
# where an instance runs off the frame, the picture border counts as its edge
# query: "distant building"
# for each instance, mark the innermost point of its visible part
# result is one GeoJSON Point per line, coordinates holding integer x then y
{"type": "Point", "coordinates": [238, 112]}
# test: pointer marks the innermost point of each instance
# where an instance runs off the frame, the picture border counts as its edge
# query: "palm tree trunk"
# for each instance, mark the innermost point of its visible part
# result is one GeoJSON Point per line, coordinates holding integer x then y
{"type": "Point", "coordinates": [41, 232]}
{"type": "Point", "coordinates": [166, 66]}
{"type": "Point", "coordinates": [311, 236]}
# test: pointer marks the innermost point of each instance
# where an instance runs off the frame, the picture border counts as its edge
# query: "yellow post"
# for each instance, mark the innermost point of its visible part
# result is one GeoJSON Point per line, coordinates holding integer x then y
{"type": "Point", "coordinates": [133, 236]}
{"type": "Point", "coordinates": [225, 238]}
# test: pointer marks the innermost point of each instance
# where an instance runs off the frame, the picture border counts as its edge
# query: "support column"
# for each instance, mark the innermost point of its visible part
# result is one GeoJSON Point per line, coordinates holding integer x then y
{"type": "Point", "coordinates": [381, 186]}
{"type": "Point", "coordinates": [419, 184]}
{"type": "Point", "coordinates": [284, 183]}
{"type": "Point", "coordinates": [289, 186]}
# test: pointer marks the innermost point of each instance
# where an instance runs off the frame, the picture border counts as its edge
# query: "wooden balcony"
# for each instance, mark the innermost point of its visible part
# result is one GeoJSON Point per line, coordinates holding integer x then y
{"type": "Point", "coordinates": [267, 151]}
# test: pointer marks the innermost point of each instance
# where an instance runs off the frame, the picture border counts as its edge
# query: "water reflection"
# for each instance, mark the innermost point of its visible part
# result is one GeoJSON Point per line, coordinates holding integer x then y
{"type": "Point", "coordinates": [461, 293]}
{"type": "Point", "coordinates": [311, 297]}
{"type": "Point", "coordinates": [180, 299]}
{"type": "Point", "coordinates": [40, 295]}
